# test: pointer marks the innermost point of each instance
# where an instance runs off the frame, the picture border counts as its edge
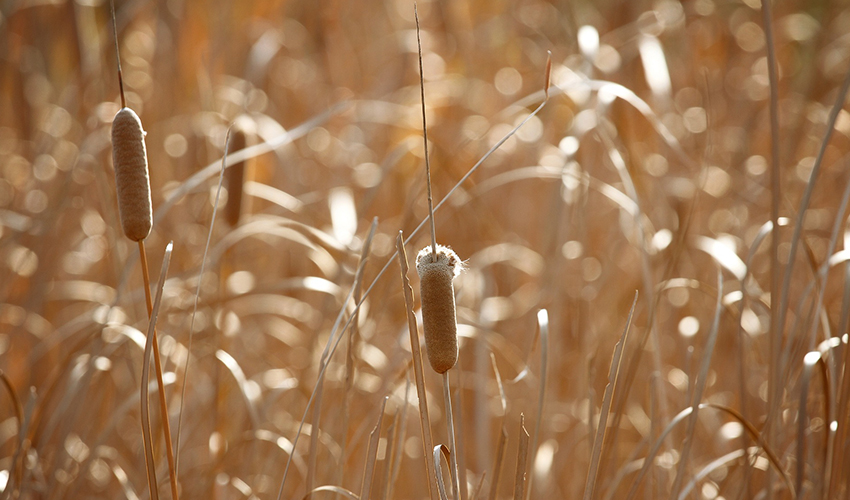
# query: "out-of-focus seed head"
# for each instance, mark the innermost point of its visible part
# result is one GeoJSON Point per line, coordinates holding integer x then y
{"type": "Point", "coordinates": [235, 177]}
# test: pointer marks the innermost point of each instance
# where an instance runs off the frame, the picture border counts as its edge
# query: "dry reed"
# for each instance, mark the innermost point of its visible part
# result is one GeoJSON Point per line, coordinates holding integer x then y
{"type": "Point", "coordinates": [424, 418]}
{"type": "Point", "coordinates": [133, 190]}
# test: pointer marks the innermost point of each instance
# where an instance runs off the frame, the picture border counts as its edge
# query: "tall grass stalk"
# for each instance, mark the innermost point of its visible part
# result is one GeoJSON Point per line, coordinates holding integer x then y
{"type": "Point", "coordinates": [146, 422]}
{"type": "Point", "coordinates": [195, 302]}
{"type": "Point", "coordinates": [613, 375]}
{"type": "Point", "coordinates": [424, 418]}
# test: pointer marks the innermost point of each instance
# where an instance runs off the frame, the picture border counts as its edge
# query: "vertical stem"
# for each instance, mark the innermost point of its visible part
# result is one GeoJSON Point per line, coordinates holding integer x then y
{"type": "Point", "coordinates": [425, 137]}
{"type": "Point", "coordinates": [424, 419]}
{"type": "Point", "coordinates": [118, 59]}
{"type": "Point", "coordinates": [163, 408]}
{"type": "Point", "coordinates": [776, 315]}
{"type": "Point", "coordinates": [497, 464]}
{"type": "Point", "coordinates": [447, 395]}
{"type": "Point", "coordinates": [521, 459]}
{"type": "Point", "coordinates": [459, 433]}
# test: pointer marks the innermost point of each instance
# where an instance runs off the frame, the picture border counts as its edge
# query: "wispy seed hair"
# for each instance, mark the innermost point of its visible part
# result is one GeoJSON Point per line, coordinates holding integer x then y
{"type": "Point", "coordinates": [438, 304]}
{"type": "Point", "coordinates": [131, 174]}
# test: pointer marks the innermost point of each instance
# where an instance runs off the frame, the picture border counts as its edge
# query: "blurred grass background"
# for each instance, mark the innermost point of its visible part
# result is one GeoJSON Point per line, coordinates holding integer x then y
{"type": "Point", "coordinates": [648, 169]}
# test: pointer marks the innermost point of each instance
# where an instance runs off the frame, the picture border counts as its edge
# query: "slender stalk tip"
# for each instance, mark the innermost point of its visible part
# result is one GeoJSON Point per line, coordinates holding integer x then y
{"type": "Point", "coordinates": [425, 136]}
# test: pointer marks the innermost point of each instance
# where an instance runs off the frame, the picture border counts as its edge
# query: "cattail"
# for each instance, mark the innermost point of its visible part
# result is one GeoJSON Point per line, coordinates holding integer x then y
{"type": "Point", "coordinates": [235, 178]}
{"type": "Point", "coordinates": [438, 304]}
{"type": "Point", "coordinates": [131, 174]}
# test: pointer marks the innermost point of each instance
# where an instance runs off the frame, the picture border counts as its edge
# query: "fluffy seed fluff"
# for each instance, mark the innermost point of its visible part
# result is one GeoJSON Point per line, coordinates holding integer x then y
{"type": "Point", "coordinates": [438, 304]}
{"type": "Point", "coordinates": [131, 174]}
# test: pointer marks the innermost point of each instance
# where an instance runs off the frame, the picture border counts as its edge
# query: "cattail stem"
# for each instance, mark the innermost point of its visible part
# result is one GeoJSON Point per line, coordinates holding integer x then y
{"type": "Point", "coordinates": [117, 57]}
{"type": "Point", "coordinates": [158, 367]}
{"type": "Point", "coordinates": [447, 395]}
{"type": "Point", "coordinates": [424, 419]}
{"type": "Point", "coordinates": [425, 137]}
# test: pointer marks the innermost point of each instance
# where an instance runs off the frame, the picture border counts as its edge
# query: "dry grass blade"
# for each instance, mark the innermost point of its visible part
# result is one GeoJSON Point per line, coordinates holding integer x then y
{"type": "Point", "coordinates": [521, 460]}
{"type": "Point", "coordinates": [327, 353]}
{"type": "Point", "coordinates": [543, 325]}
{"type": "Point", "coordinates": [835, 374]}
{"type": "Point", "coordinates": [396, 444]}
{"type": "Point", "coordinates": [758, 437]}
{"type": "Point", "coordinates": [450, 424]}
{"type": "Point", "coordinates": [372, 455]}
{"type": "Point", "coordinates": [146, 419]}
{"type": "Point", "coordinates": [157, 363]}
{"type": "Point", "coordinates": [714, 465]}
{"type": "Point", "coordinates": [477, 492]}
{"type": "Point", "coordinates": [613, 375]}
{"type": "Point", "coordinates": [618, 162]}
{"type": "Point", "coordinates": [19, 415]}
{"type": "Point", "coordinates": [763, 232]}
{"type": "Point", "coordinates": [497, 463]}
{"type": "Point", "coordinates": [502, 398]}
{"type": "Point", "coordinates": [195, 303]}
{"type": "Point", "coordinates": [651, 335]}
{"type": "Point", "coordinates": [649, 460]}
{"type": "Point", "coordinates": [700, 387]}
{"type": "Point", "coordinates": [352, 342]}
{"type": "Point", "coordinates": [795, 241]}
{"type": "Point", "coordinates": [626, 95]}
{"type": "Point", "coordinates": [459, 437]}
{"type": "Point", "coordinates": [424, 419]}
{"type": "Point", "coordinates": [809, 361]}
{"type": "Point", "coordinates": [244, 385]}
{"type": "Point", "coordinates": [16, 403]}
{"type": "Point", "coordinates": [15, 478]}
{"type": "Point", "coordinates": [844, 400]}
{"type": "Point", "coordinates": [438, 469]}
{"type": "Point", "coordinates": [121, 476]}
{"type": "Point", "coordinates": [776, 193]}
{"type": "Point", "coordinates": [333, 489]}
{"type": "Point", "coordinates": [393, 448]}
{"type": "Point", "coordinates": [503, 435]}
{"type": "Point", "coordinates": [315, 423]}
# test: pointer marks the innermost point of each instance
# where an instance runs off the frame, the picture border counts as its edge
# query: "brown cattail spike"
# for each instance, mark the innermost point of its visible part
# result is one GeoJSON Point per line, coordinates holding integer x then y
{"type": "Point", "coordinates": [131, 174]}
{"type": "Point", "coordinates": [438, 305]}
{"type": "Point", "coordinates": [235, 178]}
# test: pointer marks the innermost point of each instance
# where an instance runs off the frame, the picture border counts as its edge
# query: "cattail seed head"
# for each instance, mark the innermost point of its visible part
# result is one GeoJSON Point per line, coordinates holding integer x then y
{"type": "Point", "coordinates": [235, 178]}
{"type": "Point", "coordinates": [438, 304]}
{"type": "Point", "coordinates": [130, 160]}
